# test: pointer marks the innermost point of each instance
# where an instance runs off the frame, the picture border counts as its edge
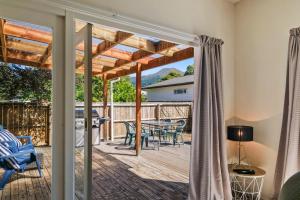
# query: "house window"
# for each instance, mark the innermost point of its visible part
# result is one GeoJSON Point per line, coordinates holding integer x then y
{"type": "Point", "coordinates": [180, 91]}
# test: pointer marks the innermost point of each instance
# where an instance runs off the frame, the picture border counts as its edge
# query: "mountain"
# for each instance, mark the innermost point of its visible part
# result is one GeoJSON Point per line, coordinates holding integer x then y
{"type": "Point", "coordinates": [156, 77]}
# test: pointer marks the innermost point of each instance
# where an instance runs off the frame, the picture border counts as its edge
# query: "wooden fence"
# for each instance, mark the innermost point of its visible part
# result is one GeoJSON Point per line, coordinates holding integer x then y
{"type": "Point", "coordinates": [27, 119]}
{"type": "Point", "coordinates": [125, 112]}
{"type": "Point", "coordinates": [35, 119]}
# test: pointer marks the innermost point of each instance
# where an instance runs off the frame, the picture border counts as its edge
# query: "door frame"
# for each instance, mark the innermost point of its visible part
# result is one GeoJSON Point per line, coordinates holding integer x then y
{"type": "Point", "coordinates": [112, 22]}
{"type": "Point", "coordinates": [63, 13]}
{"type": "Point", "coordinates": [57, 137]}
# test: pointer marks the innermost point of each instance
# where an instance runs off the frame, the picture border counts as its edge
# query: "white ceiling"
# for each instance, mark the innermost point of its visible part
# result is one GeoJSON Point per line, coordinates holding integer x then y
{"type": "Point", "coordinates": [233, 1]}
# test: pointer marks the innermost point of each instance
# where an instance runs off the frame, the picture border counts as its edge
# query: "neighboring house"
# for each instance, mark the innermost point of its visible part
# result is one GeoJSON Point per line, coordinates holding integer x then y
{"type": "Point", "coordinates": [176, 89]}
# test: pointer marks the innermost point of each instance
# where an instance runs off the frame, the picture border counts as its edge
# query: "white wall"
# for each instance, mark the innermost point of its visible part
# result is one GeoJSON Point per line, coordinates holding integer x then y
{"type": "Point", "coordinates": [211, 17]}
{"type": "Point", "coordinates": [262, 32]}
{"type": "Point", "coordinates": [167, 93]}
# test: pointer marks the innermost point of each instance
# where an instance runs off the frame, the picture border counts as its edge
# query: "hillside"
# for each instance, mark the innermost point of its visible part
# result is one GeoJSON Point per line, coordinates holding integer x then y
{"type": "Point", "coordinates": [154, 78]}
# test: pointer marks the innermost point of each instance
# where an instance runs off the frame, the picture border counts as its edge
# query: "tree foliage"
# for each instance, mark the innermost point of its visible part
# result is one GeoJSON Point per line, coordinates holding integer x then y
{"type": "Point", "coordinates": [171, 75]}
{"type": "Point", "coordinates": [24, 83]}
{"type": "Point", "coordinates": [124, 90]}
{"type": "Point", "coordinates": [189, 70]}
{"type": "Point", "coordinates": [97, 91]}
{"type": "Point", "coordinates": [32, 84]}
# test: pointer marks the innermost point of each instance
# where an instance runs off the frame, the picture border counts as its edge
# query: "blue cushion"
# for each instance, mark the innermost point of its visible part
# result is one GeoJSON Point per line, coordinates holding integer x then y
{"type": "Point", "coordinates": [1, 127]}
{"type": "Point", "coordinates": [4, 151]}
{"type": "Point", "coordinates": [6, 136]}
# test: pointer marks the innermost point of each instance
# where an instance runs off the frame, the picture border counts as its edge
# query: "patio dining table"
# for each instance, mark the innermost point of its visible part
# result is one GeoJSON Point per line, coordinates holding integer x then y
{"type": "Point", "coordinates": [159, 125]}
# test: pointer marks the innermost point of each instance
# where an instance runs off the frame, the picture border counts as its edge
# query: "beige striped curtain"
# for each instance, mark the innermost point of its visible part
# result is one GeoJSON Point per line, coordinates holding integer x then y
{"type": "Point", "coordinates": [209, 178]}
{"type": "Point", "coordinates": [288, 159]}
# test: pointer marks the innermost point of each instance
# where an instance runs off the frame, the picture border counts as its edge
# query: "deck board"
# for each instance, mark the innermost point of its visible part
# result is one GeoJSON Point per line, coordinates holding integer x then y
{"type": "Point", "coordinates": [117, 174]}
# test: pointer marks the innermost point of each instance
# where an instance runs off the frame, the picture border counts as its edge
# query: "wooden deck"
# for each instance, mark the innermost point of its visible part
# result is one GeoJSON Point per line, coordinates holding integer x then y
{"type": "Point", "coordinates": [117, 174]}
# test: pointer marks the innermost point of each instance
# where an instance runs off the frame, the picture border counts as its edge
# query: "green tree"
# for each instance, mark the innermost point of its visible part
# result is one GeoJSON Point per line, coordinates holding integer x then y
{"type": "Point", "coordinates": [97, 91]}
{"type": "Point", "coordinates": [9, 85]}
{"type": "Point", "coordinates": [24, 83]}
{"type": "Point", "coordinates": [171, 75]}
{"type": "Point", "coordinates": [189, 70]}
{"type": "Point", "coordinates": [27, 83]}
{"type": "Point", "coordinates": [124, 90]}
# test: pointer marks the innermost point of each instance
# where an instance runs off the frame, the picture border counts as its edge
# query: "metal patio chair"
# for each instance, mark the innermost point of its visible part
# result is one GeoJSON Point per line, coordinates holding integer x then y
{"type": "Point", "coordinates": [130, 133]}
{"type": "Point", "coordinates": [178, 132]}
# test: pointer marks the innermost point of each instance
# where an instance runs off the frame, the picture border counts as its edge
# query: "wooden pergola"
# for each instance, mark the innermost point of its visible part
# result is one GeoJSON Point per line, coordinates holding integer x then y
{"type": "Point", "coordinates": [114, 54]}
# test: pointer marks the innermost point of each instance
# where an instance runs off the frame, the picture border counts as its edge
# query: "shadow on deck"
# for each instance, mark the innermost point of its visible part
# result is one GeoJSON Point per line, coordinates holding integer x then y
{"type": "Point", "coordinates": [117, 174]}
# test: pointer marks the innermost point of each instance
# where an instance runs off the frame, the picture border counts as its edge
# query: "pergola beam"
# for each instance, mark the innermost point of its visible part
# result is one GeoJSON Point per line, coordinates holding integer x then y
{"type": "Point", "coordinates": [27, 33]}
{"type": "Point", "coordinates": [47, 54]}
{"type": "Point", "coordinates": [23, 51]}
{"type": "Point", "coordinates": [38, 55]}
{"type": "Point", "coordinates": [100, 61]}
{"type": "Point", "coordinates": [3, 40]}
{"type": "Point", "coordinates": [25, 46]}
{"type": "Point", "coordinates": [29, 59]}
{"type": "Point", "coordinates": [24, 58]}
{"type": "Point", "coordinates": [113, 53]}
{"type": "Point", "coordinates": [106, 45]}
{"type": "Point", "coordinates": [134, 41]}
{"type": "Point", "coordinates": [164, 60]}
{"type": "Point", "coordinates": [46, 37]}
{"type": "Point", "coordinates": [141, 54]}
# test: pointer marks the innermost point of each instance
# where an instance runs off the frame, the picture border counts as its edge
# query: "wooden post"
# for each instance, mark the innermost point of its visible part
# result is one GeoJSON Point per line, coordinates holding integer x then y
{"type": "Point", "coordinates": [138, 113]}
{"type": "Point", "coordinates": [157, 112]}
{"type": "Point", "coordinates": [105, 109]}
{"type": "Point", "coordinates": [3, 40]}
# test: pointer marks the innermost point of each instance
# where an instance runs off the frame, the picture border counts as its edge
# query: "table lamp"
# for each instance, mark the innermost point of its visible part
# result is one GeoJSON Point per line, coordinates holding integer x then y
{"type": "Point", "coordinates": [240, 134]}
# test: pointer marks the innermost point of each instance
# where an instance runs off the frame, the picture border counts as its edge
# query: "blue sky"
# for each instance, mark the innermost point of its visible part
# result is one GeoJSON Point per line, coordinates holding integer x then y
{"type": "Point", "coordinates": [178, 65]}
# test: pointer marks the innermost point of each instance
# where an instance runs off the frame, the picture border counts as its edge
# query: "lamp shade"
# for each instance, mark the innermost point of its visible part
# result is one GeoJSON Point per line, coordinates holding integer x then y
{"type": "Point", "coordinates": [240, 133]}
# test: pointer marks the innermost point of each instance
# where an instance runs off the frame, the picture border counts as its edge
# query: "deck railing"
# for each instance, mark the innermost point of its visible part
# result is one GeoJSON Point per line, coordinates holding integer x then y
{"type": "Point", "coordinates": [34, 119]}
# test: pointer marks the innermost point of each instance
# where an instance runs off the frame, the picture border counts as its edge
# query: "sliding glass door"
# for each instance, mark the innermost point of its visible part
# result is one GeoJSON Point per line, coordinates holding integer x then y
{"type": "Point", "coordinates": [32, 44]}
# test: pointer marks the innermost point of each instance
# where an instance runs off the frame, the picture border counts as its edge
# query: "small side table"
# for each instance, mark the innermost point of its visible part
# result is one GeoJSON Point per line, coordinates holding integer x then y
{"type": "Point", "coordinates": [246, 186]}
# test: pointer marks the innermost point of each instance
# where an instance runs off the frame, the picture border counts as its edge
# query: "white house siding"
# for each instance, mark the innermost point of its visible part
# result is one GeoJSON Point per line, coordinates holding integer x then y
{"type": "Point", "coordinates": [167, 93]}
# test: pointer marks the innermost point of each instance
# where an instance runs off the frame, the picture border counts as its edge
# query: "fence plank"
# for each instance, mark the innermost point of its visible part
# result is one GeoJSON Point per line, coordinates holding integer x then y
{"type": "Point", "coordinates": [35, 119]}
{"type": "Point", "coordinates": [125, 112]}
{"type": "Point", "coordinates": [26, 119]}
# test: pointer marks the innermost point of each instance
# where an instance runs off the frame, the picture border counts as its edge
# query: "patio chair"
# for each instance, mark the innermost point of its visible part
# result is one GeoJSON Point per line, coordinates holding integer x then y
{"type": "Point", "coordinates": [13, 162]}
{"type": "Point", "coordinates": [13, 142]}
{"type": "Point", "coordinates": [130, 132]}
{"type": "Point", "coordinates": [178, 132]}
{"type": "Point", "coordinates": [163, 130]}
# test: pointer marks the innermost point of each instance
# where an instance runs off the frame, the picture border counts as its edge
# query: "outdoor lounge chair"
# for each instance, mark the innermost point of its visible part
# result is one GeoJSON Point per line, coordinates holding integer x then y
{"type": "Point", "coordinates": [13, 162]}
{"type": "Point", "coordinates": [13, 142]}
{"type": "Point", "coordinates": [130, 133]}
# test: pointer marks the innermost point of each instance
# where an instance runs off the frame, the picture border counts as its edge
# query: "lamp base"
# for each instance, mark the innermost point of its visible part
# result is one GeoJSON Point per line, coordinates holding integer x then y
{"type": "Point", "coordinates": [244, 171]}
